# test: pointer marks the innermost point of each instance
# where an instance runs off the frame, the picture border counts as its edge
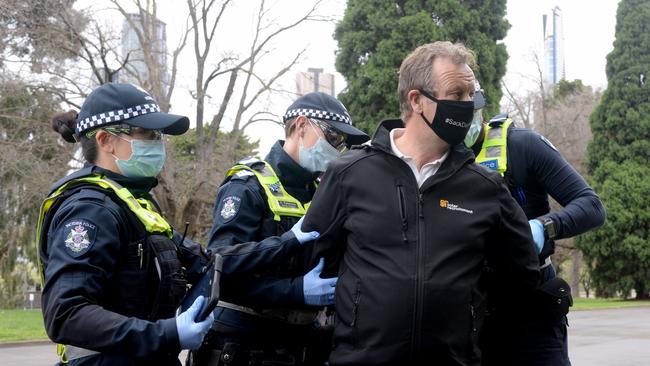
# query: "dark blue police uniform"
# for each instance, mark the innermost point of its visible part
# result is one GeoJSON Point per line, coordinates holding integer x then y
{"type": "Point", "coordinates": [269, 319]}
{"type": "Point", "coordinates": [101, 288]}
{"type": "Point", "coordinates": [535, 170]}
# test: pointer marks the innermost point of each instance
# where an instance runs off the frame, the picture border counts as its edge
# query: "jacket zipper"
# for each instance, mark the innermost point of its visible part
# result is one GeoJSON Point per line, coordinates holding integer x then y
{"type": "Point", "coordinates": [140, 254]}
{"type": "Point", "coordinates": [417, 318]}
{"type": "Point", "coordinates": [402, 211]}
{"type": "Point", "coordinates": [419, 289]}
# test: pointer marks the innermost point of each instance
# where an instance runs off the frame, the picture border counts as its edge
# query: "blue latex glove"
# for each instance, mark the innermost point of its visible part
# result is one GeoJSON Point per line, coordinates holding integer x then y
{"type": "Point", "coordinates": [537, 229]}
{"type": "Point", "coordinates": [302, 236]}
{"type": "Point", "coordinates": [190, 333]}
{"type": "Point", "coordinates": [316, 290]}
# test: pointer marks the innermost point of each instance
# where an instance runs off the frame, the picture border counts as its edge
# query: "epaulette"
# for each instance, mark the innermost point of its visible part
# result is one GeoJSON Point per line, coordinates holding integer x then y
{"type": "Point", "coordinates": [252, 162]}
{"type": "Point", "coordinates": [498, 119]}
{"type": "Point", "coordinates": [242, 175]}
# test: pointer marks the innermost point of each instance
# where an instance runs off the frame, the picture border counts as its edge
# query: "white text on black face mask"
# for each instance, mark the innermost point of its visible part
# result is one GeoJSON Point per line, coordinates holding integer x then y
{"type": "Point", "coordinates": [457, 123]}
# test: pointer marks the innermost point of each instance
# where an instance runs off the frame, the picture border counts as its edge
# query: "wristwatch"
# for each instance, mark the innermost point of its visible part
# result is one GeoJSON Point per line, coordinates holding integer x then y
{"type": "Point", "coordinates": [549, 227]}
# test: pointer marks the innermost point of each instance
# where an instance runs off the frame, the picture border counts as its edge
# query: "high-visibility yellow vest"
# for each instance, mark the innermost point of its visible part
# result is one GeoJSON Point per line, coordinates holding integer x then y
{"type": "Point", "coordinates": [493, 153]}
{"type": "Point", "coordinates": [280, 202]}
{"type": "Point", "coordinates": [141, 207]}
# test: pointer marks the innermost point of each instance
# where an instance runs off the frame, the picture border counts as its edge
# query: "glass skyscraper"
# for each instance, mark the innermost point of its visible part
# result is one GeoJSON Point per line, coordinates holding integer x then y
{"type": "Point", "coordinates": [553, 47]}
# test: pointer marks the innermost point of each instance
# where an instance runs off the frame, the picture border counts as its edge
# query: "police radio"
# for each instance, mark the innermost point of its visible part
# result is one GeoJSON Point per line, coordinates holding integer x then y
{"type": "Point", "coordinates": [213, 299]}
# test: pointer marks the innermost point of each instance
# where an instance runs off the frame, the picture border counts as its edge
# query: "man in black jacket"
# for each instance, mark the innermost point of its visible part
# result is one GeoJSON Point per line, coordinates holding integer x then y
{"type": "Point", "coordinates": [409, 222]}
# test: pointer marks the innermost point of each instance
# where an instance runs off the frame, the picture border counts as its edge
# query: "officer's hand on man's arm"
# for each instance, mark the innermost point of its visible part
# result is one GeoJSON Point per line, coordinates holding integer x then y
{"type": "Point", "coordinates": [537, 229]}
{"type": "Point", "coordinates": [316, 290]}
{"type": "Point", "coordinates": [191, 333]}
{"type": "Point", "coordinates": [302, 236]}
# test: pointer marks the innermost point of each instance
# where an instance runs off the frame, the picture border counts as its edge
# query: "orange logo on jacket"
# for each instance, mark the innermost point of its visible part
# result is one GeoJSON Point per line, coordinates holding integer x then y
{"type": "Point", "coordinates": [454, 207]}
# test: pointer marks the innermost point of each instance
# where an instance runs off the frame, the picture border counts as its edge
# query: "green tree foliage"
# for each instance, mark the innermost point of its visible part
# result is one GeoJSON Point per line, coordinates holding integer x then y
{"type": "Point", "coordinates": [375, 36]}
{"type": "Point", "coordinates": [619, 253]}
{"type": "Point", "coordinates": [30, 155]}
{"type": "Point", "coordinates": [565, 88]}
{"type": "Point", "coordinates": [40, 30]}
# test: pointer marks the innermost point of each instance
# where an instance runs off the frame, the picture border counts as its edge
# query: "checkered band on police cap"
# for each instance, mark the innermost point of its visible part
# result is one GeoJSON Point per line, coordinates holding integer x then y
{"type": "Point", "coordinates": [318, 114]}
{"type": "Point", "coordinates": [111, 117]}
{"type": "Point", "coordinates": [320, 106]}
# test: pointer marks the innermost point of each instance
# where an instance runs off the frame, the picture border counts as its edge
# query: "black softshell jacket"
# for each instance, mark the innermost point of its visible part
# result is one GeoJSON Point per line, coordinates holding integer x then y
{"type": "Point", "coordinates": [411, 261]}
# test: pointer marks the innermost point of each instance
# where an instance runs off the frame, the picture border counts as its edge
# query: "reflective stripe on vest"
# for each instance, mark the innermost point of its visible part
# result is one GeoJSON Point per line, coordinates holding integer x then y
{"type": "Point", "coordinates": [280, 202]}
{"type": "Point", "coordinates": [493, 153]}
{"type": "Point", "coordinates": [142, 208]}
{"type": "Point", "coordinates": [60, 351]}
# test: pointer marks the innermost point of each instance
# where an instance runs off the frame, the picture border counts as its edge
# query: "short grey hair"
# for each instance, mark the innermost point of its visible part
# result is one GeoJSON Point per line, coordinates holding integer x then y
{"type": "Point", "coordinates": [416, 71]}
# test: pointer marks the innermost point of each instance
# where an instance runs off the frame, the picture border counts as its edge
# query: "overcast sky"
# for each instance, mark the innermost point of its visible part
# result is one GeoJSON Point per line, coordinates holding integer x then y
{"type": "Point", "coordinates": [588, 36]}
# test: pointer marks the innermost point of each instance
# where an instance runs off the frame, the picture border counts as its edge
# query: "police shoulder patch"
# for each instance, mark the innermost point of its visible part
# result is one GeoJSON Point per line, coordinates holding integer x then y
{"type": "Point", "coordinates": [547, 142]}
{"type": "Point", "coordinates": [230, 207]}
{"type": "Point", "coordinates": [79, 236]}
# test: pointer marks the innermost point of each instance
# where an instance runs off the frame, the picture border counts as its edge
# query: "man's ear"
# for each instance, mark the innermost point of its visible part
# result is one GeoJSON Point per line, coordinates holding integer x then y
{"type": "Point", "coordinates": [105, 141]}
{"type": "Point", "coordinates": [415, 100]}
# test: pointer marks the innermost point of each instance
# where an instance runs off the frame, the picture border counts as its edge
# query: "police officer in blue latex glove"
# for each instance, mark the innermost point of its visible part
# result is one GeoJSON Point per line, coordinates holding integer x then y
{"type": "Point", "coordinates": [535, 334]}
{"type": "Point", "coordinates": [190, 332]}
{"type": "Point", "coordinates": [273, 318]}
{"type": "Point", "coordinates": [317, 290]}
{"type": "Point", "coordinates": [114, 270]}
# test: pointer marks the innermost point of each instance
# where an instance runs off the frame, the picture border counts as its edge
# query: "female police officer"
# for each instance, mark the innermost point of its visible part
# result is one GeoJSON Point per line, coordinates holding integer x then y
{"type": "Point", "coordinates": [114, 271]}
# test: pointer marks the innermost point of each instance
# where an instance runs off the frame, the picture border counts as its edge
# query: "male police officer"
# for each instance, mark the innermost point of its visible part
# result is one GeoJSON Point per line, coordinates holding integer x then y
{"type": "Point", "coordinates": [264, 318]}
{"type": "Point", "coordinates": [534, 169]}
{"type": "Point", "coordinates": [409, 221]}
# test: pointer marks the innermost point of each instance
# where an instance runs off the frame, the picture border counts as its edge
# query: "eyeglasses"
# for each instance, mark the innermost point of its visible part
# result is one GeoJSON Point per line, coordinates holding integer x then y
{"type": "Point", "coordinates": [130, 130]}
{"type": "Point", "coordinates": [333, 136]}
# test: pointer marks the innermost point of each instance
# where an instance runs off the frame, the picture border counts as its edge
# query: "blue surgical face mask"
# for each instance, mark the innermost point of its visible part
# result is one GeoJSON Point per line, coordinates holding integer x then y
{"type": "Point", "coordinates": [474, 130]}
{"type": "Point", "coordinates": [316, 158]}
{"type": "Point", "coordinates": [147, 159]}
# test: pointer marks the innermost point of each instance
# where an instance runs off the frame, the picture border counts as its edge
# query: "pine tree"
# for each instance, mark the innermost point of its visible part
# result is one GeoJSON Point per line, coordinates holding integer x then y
{"type": "Point", "coordinates": [375, 36]}
{"type": "Point", "coordinates": [619, 252]}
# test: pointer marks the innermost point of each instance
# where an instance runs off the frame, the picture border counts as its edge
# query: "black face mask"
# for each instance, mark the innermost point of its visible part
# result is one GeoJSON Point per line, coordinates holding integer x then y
{"type": "Point", "coordinates": [452, 119]}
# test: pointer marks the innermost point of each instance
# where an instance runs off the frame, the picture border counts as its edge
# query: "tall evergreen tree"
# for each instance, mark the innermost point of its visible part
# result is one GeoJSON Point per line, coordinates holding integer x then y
{"type": "Point", "coordinates": [375, 36]}
{"type": "Point", "coordinates": [619, 253]}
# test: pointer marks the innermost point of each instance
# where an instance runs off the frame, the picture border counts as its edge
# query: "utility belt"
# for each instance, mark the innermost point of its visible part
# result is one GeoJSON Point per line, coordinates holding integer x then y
{"type": "Point", "coordinates": [552, 298]}
{"type": "Point", "coordinates": [233, 354]}
{"type": "Point", "coordinates": [288, 316]}
{"type": "Point", "coordinates": [546, 262]}
{"type": "Point", "coordinates": [549, 301]}
{"type": "Point", "coordinates": [243, 336]}
{"type": "Point", "coordinates": [314, 351]}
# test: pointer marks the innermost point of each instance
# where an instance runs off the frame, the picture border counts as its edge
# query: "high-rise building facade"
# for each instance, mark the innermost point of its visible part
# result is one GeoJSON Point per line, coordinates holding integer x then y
{"type": "Point", "coordinates": [137, 70]}
{"type": "Point", "coordinates": [553, 70]}
{"type": "Point", "coordinates": [315, 80]}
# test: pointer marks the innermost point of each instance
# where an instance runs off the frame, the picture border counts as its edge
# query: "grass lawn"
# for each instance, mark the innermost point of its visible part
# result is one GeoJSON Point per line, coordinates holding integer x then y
{"type": "Point", "coordinates": [590, 304]}
{"type": "Point", "coordinates": [27, 325]}
{"type": "Point", "coordinates": [21, 325]}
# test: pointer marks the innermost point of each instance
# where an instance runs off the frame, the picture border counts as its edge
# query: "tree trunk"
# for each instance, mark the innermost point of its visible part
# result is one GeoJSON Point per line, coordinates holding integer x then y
{"type": "Point", "coordinates": [642, 292]}
{"type": "Point", "coordinates": [576, 265]}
